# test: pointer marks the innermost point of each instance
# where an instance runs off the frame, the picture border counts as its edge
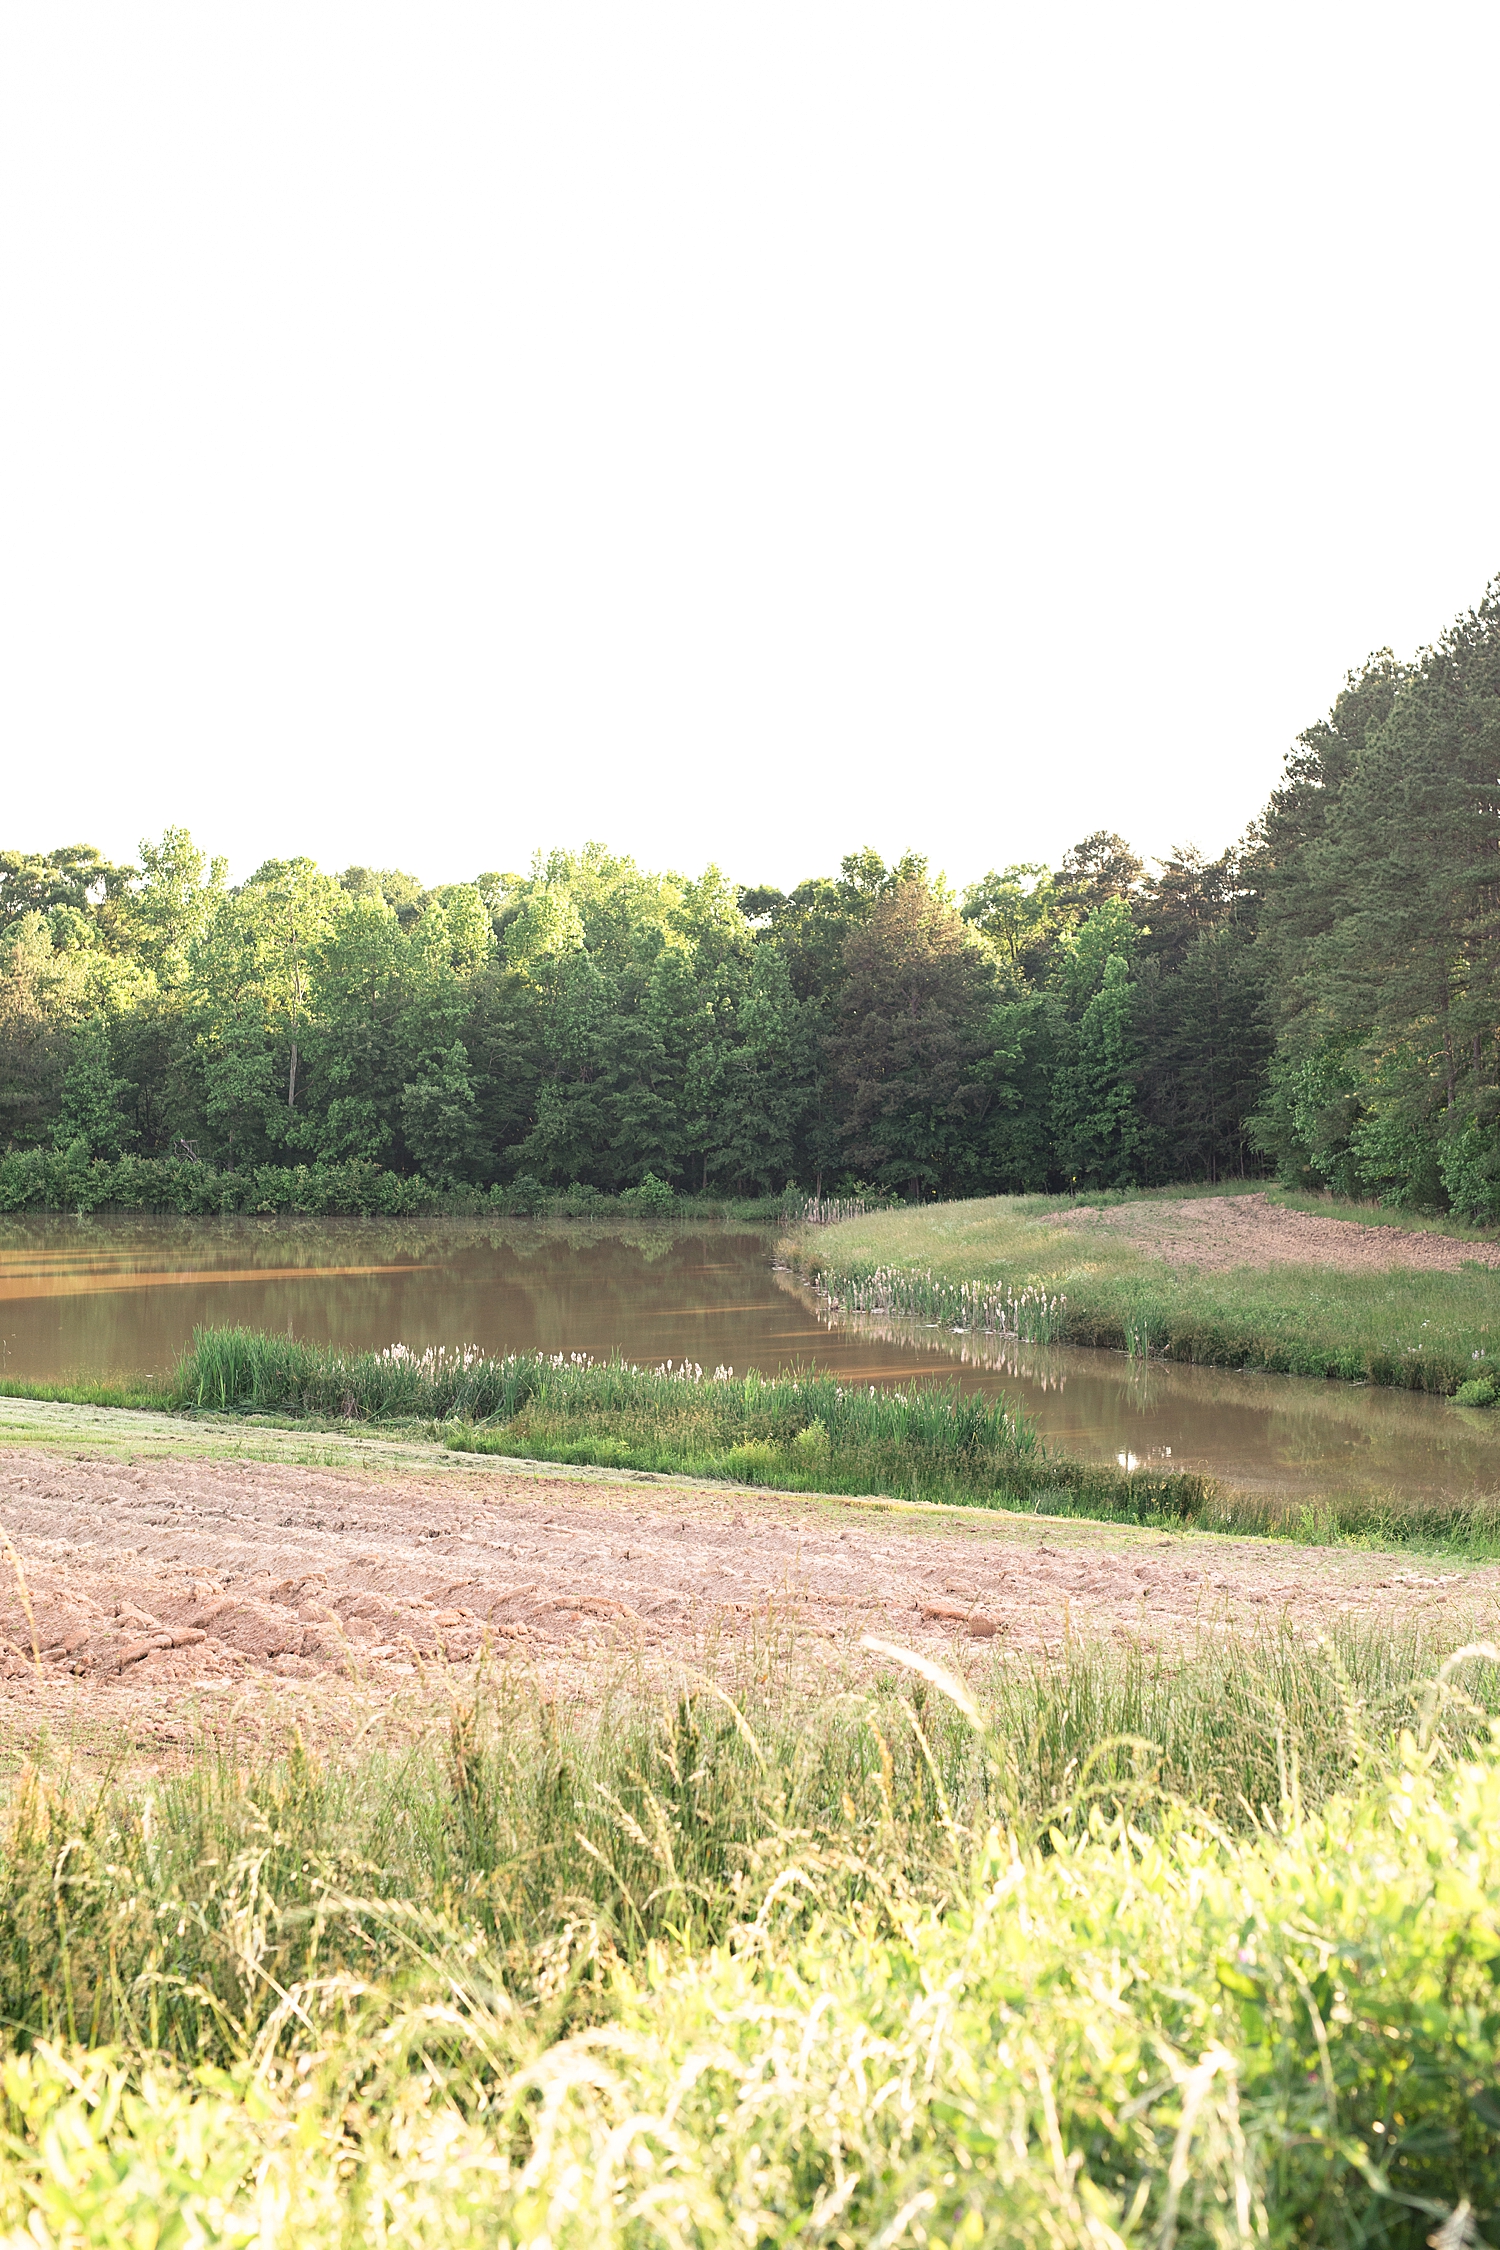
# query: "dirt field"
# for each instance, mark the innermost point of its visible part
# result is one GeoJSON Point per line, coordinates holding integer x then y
{"type": "Point", "coordinates": [1221, 1232]}
{"type": "Point", "coordinates": [164, 1589]}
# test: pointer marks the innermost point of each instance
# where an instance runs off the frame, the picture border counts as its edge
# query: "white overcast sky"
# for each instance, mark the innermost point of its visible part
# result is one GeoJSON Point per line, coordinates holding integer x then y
{"type": "Point", "coordinates": [738, 433]}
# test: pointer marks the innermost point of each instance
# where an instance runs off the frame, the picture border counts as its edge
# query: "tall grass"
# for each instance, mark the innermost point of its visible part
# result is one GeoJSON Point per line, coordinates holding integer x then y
{"type": "Point", "coordinates": [796, 1431]}
{"type": "Point", "coordinates": [1424, 1331]}
{"type": "Point", "coordinates": [831, 1210]}
{"type": "Point", "coordinates": [176, 1918]}
{"type": "Point", "coordinates": [1120, 1952]}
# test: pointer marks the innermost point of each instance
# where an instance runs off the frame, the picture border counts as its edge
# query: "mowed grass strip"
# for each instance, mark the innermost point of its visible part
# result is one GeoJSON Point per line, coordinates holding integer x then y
{"type": "Point", "coordinates": [1108, 1949]}
{"type": "Point", "coordinates": [1415, 1330]}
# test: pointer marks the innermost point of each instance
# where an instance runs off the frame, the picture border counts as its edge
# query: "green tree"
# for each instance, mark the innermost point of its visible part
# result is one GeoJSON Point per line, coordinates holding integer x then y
{"type": "Point", "coordinates": [1019, 911]}
{"type": "Point", "coordinates": [750, 1086]}
{"type": "Point", "coordinates": [909, 1039]}
{"type": "Point", "coordinates": [1101, 867]}
{"type": "Point", "coordinates": [38, 1005]}
{"type": "Point", "coordinates": [1203, 1045]}
{"type": "Point", "coordinates": [92, 1108]}
{"type": "Point", "coordinates": [172, 903]}
{"type": "Point", "coordinates": [1101, 1138]}
{"type": "Point", "coordinates": [1381, 925]}
{"type": "Point", "coordinates": [75, 877]}
{"type": "Point", "coordinates": [402, 893]}
{"type": "Point", "coordinates": [439, 1118]}
{"type": "Point", "coordinates": [1025, 1039]}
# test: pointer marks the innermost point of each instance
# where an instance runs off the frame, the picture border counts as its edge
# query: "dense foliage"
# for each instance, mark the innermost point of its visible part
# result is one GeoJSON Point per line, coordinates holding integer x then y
{"type": "Point", "coordinates": [1381, 932]}
{"type": "Point", "coordinates": [1323, 994]}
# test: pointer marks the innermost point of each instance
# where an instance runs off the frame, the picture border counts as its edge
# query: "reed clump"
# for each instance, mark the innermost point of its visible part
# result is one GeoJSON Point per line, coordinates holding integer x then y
{"type": "Point", "coordinates": [796, 1431]}
{"type": "Point", "coordinates": [1101, 1950]}
{"type": "Point", "coordinates": [1027, 1312]}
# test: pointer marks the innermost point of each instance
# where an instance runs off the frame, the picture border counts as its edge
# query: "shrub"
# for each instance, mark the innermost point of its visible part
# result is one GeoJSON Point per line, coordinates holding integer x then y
{"type": "Point", "coordinates": [651, 1195]}
{"type": "Point", "coordinates": [1470, 1165]}
{"type": "Point", "coordinates": [524, 1198]}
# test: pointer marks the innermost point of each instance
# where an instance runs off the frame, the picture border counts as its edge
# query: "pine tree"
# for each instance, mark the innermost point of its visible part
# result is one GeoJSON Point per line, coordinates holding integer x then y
{"type": "Point", "coordinates": [908, 1043]}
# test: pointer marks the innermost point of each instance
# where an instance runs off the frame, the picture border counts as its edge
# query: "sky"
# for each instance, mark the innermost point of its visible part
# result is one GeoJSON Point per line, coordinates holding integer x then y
{"type": "Point", "coordinates": [741, 434]}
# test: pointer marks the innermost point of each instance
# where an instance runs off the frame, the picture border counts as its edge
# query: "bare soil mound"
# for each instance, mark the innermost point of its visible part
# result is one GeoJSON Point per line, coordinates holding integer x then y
{"type": "Point", "coordinates": [140, 1591]}
{"type": "Point", "coordinates": [1218, 1233]}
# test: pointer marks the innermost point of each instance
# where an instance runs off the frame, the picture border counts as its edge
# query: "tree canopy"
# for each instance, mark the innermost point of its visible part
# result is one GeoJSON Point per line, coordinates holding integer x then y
{"type": "Point", "coordinates": [1323, 996]}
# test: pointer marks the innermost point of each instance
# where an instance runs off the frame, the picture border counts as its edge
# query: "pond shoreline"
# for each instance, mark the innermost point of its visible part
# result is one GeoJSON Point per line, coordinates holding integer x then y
{"type": "Point", "coordinates": [81, 1300]}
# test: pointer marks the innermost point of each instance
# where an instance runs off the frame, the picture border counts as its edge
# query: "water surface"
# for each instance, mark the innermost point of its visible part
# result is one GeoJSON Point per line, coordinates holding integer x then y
{"type": "Point", "coordinates": [101, 1297]}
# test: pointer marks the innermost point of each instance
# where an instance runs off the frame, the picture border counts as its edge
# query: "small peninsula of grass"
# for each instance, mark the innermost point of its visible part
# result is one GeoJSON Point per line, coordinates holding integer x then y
{"type": "Point", "coordinates": [963, 1263]}
{"type": "Point", "coordinates": [796, 1432]}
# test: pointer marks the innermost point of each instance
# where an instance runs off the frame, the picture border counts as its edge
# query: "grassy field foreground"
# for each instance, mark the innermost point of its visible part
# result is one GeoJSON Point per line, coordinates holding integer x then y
{"type": "Point", "coordinates": [1108, 1951]}
{"type": "Point", "coordinates": [1008, 1257]}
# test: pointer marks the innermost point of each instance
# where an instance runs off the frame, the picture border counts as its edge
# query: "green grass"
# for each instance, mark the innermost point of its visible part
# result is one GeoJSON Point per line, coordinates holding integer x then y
{"type": "Point", "coordinates": [796, 1432]}
{"type": "Point", "coordinates": [1004, 1261]}
{"type": "Point", "coordinates": [141, 1395]}
{"type": "Point", "coordinates": [1126, 1949]}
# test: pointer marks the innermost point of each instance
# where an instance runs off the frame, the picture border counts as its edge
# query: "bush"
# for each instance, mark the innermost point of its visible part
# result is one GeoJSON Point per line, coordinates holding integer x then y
{"type": "Point", "coordinates": [70, 1180]}
{"type": "Point", "coordinates": [1470, 1165]}
{"type": "Point", "coordinates": [1479, 1392]}
{"type": "Point", "coordinates": [651, 1195]}
{"type": "Point", "coordinates": [580, 1202]}
{"type": "Point", "coordinates": [525, 1198]}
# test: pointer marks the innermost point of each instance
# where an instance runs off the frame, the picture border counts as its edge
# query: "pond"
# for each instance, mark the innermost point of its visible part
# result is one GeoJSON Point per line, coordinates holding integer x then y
{"type": "Point", "coordinates": [100, 1297]}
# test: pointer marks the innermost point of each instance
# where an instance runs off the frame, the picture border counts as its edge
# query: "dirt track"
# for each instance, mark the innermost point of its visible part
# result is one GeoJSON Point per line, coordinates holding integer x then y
{"type": "Point", "coordinates": [157, 1585]}
{"type": "Point", "coordinates": [1218, 1233]}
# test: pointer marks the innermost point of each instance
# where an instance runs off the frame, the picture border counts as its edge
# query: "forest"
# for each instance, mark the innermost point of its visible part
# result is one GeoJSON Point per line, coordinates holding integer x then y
{"type": "Point", "coordinates": [1321, 1001]}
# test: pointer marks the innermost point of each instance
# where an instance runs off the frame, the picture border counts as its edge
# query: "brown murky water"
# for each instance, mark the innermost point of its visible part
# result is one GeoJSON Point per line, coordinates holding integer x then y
{"type": "Point", "coordinates": [82, 1298]}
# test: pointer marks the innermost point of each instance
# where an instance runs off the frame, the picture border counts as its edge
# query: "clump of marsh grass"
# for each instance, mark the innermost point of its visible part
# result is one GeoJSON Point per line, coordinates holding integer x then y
{"type": "Point", "coordinates": [1027, 1312]}
{"type": "Point", "coordinates": [797, 1431]}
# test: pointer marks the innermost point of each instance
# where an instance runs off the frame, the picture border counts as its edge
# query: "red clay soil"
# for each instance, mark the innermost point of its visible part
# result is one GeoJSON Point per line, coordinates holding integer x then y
{"type": "Point", "coordinates": [158, 1586]}
{"type": "Point", "coordinates": [1218, 1233]}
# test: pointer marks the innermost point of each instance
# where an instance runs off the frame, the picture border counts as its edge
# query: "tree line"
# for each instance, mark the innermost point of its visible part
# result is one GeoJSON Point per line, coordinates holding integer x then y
{"type": "Point", "coordinates": [1320, 998]}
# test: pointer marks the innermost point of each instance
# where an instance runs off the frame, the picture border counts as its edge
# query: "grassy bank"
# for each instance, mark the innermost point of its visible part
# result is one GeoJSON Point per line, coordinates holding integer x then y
{"type": "Point", "coordinates": [803, 1433]}
{"type": "Point", "coordinates": [1121, 1951]}
{"type": "Point", "coordinates": [1006, 1262]}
